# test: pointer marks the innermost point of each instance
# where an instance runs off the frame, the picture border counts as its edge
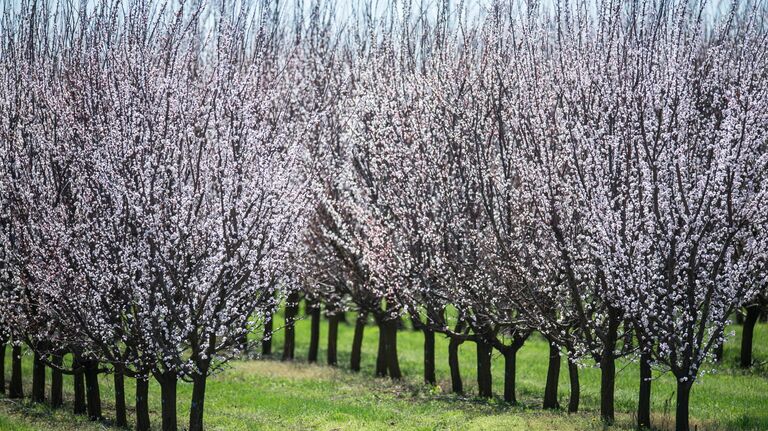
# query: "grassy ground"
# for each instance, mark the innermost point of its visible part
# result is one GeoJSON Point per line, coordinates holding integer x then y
{"type": "Point", "coordinates": [271, 395]}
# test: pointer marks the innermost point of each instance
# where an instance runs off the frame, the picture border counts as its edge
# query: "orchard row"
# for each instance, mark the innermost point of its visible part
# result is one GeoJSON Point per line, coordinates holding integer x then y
{"type": "Point", "coordinates": [172, 172]}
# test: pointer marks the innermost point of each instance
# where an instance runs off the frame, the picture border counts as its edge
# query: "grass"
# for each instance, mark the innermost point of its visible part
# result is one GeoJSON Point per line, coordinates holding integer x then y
{"type": "Point", "coordinates": [272, 395]}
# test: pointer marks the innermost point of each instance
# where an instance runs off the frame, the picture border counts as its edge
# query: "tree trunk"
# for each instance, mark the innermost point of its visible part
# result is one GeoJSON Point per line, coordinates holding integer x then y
{"type": "Point", "coordinates": [3, 345]}
{"type": "Point", "coordinates": [573, 376]}
{"type": "Point", "coordinates": [429, 356]}
{"type": "Point", "coordinates": [393, 363]}
{"type": "Point", "coordinates": [457, 386]}
{"type": "Point", "coordinates": [38, 378]}
{"type": "Point", "coordinates": [168, 382]}
{"type": "Point", "coordinates": [484, 376]}
{"type": "Point", "coordinates": [198, 401]}
{"type": "Point", "coordinates": [608, 369]}
{"type": "Point", "coordinates": [333, 338]}
{"type": "Point", "coordinates": [510, 369]}
{"type": "Point", "coordinates": [314, 332]}
{"type": "Point", "coordinates": [381, 356]}
{"type": "Point", "coordinates": [644, 400]}
{"type": "Point", "coordinates": [683, 400]}
{"type": "Point", "coordinates": [266, 341]}
{"type": "Point", "coordinates": [57, 381]}
{"type": "Point", "coordinates": [79, 387]}
{"type": "Point", "coordinates": [553, 378]}
{"type": "Point", "coordinates": [16, 390]}
{"type": "Point", "coordinates": [607, 384]}
{"type": "Point", "coordinates": [93, 395]}
{"type": "Point", "coordinates": [357, 342]}
{"type": "Point", "coordinates": [747, 335]}
{"type": "Point", "coordinates": [142, 404]}
{"type": "Point", "coordinates": [121, 418]}
{"type": "Point", "coordinates": [291, 310]}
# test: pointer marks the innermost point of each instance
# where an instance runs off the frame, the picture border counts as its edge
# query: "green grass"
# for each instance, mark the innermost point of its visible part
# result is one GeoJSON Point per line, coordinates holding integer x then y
{"type": "Point", "coordinates": [271, 395]}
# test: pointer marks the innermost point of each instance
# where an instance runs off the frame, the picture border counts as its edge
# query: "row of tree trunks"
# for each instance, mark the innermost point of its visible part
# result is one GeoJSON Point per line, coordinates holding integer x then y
{"type": "Point", "coordinates": [387, 364]}
{"type": "Point", "coordinates": [87, 397]}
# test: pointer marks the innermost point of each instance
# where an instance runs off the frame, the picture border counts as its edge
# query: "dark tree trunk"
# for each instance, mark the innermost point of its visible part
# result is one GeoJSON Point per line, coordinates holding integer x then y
{"type": "Point", "coordinates": [393, 363]}
{"type": "Point", "coordinates": [57, 381]}
{"type": "Point", "coordinates": [510, 369]}
{"type": "Point", "coordinates": [683, 400]}
{"type": "Point", "coordinates": [291, 310]}
{"type": "Point", "coordinates": [429, 356]}
{"type": "Point", "coordinates": [553, 378]}
{"type": "Point", "coordinates": [79, 387]}
{"type": "Point", "coordinates": [644, 400]}
{"type": "Point", "coordinates": [747, 335]}
{"type": "Point", "coordinates": [3, 345]}
{"type": "Point", "coordinates": [357, 342]}
{"type": "Point", "coordinates": [121, 418]}
{"type": "Point", "coordinates": [457, 386]}
{"type": "Point", "coordinates": [573, 376]}
{"type": "Point", "coordinates": [142, 404]}
{"type": "Point", "coordinates": [381, 355]}
{"type": "Point", "coordinates": [168, 381]}
{"type": "Point", "coordinates": [607, 384]}
{"type": "Point", "coordinates": [38, 378]}
{"type": "Point", "coordinates": [92, 393]}
{"type": "Point", "coordinates": [314, 332]}
{"type": "Point", "coordinates": [16, 390]}
{"type": "Point", "coordinates": [333, 338]}
{"type": "Point", "coordinates": [198, 401]}
{"type": "Point", "coordinates": [484, 375]}
{"type": "Point", "coordinates": [266, 341]}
